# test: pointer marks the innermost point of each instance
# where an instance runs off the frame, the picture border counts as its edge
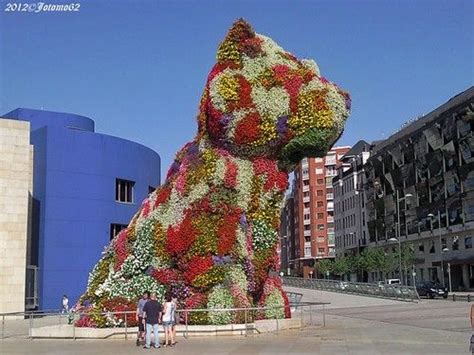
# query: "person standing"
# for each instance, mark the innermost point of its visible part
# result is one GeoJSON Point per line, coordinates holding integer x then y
{"type": "Point", "coordinates": [176, 318]}
{"type": "Point", "coordinates": [139, 316]}
{"type": "Point", "coordinates": [65, 304]}
{"type": "Point", "coordinates": [151, 318]}
{"type": "Point", "coordinates": [168, 320]}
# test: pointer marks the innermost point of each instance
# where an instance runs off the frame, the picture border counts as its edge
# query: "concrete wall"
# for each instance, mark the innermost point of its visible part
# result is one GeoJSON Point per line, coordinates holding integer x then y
{"type": "Point", "coordinates": [16, 183]}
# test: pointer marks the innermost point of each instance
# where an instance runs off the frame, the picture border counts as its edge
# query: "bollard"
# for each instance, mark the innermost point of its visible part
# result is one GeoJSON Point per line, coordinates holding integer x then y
{"type": "Point", "coordinates": [469, 298]}
{"type": "Point", "coordinates": [30, 330]}
{"type": "Point", "coordinates": [454, 297]}
{"type": "Point", "coordinates": [324, 315]}
{"type": "Point", "coordinates": [301, 312]}
{"type": "Point", "coordinates": [126, 329]}
{"type": "Point", "coordinates": [3, 326]}
{"type": "Point", "coordinates": [245, 316]}
{"type": "Point", "coordinates": [310, 315]}
{"type": "Point", "coordinates": [74, 327]}
{"type": "Point", "coordinates": [186, 321]}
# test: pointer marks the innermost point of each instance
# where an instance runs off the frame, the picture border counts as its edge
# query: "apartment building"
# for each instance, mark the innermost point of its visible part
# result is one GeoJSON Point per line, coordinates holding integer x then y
{"type": "Point", "coordinates": [314, 210]}
{"type": "Point", "coordinates": [349, 202]}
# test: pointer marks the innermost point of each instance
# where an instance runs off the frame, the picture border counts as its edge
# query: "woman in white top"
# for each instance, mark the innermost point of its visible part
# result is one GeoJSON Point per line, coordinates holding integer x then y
{"type": "Point", "coordinates": [168, 320]}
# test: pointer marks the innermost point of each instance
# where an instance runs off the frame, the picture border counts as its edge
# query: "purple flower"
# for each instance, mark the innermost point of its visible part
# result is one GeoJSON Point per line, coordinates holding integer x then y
{"type": "Point", "coordinates": [193, 149]}
{"type": "Point", "coordinates": [243, 221]}
{"type": "Point", "coordinates": [282, 125]}
{"type": "Point", "coordinates": [225, 119]}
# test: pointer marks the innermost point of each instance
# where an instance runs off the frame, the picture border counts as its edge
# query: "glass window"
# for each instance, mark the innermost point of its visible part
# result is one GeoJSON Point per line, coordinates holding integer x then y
{"type": "Point", "coordinates": [432, 248]}
{"type": "Point", "coordinates": [468, 242]}
{"type": "Point", "coordinates": [320, 215]}
{"type": "Point", "coordinates": [319, 192]}
{"type": "Point", "coordinates": [320, 227]}
{"type": "Point", "coordinates": [421, 247]}
{"type": "Point", "coordinates": [319, 170]}
{"type": "Point", "coordinates": [456, 243]}
{"type": "Point", "coordinates": [115, 229]}
{"type": "Point", "coordinates": [124, 190]}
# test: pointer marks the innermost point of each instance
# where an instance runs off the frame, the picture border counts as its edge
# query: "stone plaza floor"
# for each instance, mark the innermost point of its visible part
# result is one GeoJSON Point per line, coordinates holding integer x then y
{"type": "Point", "coordinates": [354, 325]}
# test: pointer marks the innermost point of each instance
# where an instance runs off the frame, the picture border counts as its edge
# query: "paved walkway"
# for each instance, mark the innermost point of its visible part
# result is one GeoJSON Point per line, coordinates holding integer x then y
{"type": "Point", "coordinates": [354, 325]}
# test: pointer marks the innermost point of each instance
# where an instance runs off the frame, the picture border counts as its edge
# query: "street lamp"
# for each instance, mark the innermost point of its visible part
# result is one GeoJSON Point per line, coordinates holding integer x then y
{"type": "Point", "coordinates": [393, 240]}
{"type": "Point", "coordinates": [442, 250]}
{"type": "Point", "coordinates": [400, 199]}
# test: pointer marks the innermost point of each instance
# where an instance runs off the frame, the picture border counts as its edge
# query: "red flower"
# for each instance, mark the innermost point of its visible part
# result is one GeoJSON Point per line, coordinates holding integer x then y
{"type": "Point", "coordinates": [180, 238]}
{"type": "Point", "coordinates": [245, 95]}
{"type": "Point", "coordinates": [248, 129]}
{"type": "Point", "coordinates": [220, 67]}
{"type": "Point", "coordinates": [230, 178]}
{"type": "Point", "coordinates": [196, 301]}
{"type": "Point", "coordinates": [145, 207]}
{"type": "Point", "coordinates": [165, 276]}
{"type": "Point", "coordinates": [162, 196]}
{"type": "Point", "coordinates": [197, 266]}
{"type": "Point", "coordinates": [227, 232]}
{"type": "Point", "coordinates": [120, 249]}
{"type": "Point", "coordinates": [120, 304]}
{"type": "Point", "coordinates": [274, 177]}
{"type": "Point", "coordinates": [281, 71]}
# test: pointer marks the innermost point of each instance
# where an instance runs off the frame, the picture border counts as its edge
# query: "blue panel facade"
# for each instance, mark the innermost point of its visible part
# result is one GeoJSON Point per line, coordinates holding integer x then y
{"type": "Point", "coordinates": [75, 172]}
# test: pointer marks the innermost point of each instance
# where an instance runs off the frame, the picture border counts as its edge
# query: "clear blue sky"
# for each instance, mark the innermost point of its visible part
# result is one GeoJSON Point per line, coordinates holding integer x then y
{"type": "Point", "coordinates": [137, 67]}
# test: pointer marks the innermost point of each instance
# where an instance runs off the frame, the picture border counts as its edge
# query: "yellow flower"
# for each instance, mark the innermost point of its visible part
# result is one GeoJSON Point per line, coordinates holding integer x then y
{"type": "Point", "coordinates": [228, 88]}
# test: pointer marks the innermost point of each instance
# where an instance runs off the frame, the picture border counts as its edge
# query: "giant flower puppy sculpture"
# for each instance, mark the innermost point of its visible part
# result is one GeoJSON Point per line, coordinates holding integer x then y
{"type": "Point", "coordinates": [209, 233]}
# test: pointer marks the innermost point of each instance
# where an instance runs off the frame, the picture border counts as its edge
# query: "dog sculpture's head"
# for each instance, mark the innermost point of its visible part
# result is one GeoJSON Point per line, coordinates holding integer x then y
{"type": "Point", "coordinates": [260, 100]}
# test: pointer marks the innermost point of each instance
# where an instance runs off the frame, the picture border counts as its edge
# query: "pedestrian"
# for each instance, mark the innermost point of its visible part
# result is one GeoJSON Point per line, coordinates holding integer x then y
{"type": "Point", "coordinates": [176, 318]}
{"type": "Point", "coordinates": [65, 304]}
{"type": "Point", "coordinates": [169, 309]}
{"type": "Point", "coordinates": [139, 317]}
{"type": "Point", "coordinates": [151, 318]}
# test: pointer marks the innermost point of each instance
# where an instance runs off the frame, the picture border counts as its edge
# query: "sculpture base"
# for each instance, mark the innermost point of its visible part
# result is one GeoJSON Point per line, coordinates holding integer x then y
{"type": "Point", "coordinates": [259, 326]}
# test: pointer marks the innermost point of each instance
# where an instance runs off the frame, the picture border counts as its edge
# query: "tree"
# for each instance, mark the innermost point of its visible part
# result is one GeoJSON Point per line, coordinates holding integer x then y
{"type": "Point", "coordinates": [376, 259]}
{"type": "Point", "coordinates": [324, 266]}
{"type": "Point", "coordinates": [341, 266]}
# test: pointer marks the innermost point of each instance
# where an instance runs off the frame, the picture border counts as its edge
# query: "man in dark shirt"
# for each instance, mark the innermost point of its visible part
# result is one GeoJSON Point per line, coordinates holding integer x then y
{"type": "Point", "coordinates": [151, 318]}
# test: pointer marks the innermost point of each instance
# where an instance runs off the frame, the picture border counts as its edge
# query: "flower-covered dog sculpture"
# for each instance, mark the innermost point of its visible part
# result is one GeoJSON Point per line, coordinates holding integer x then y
{"type": "Point", "coordinates": [209, 234]}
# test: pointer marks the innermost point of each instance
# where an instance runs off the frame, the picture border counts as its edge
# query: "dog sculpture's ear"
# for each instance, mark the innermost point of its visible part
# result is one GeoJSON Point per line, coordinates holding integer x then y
{"type": "Point", "coordinates": [236, 42]}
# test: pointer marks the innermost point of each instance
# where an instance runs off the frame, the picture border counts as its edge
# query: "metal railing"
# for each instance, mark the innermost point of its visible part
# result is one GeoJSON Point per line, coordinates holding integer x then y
{"type": "Point", "coordinates": [457, 297]}
{"type": "Point", "coordinates": [22, 324]}
{"type": "Point", "coordinates": [396, 292]}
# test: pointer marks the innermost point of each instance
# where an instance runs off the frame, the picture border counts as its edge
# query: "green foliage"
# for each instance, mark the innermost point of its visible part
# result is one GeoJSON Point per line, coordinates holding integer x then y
{"type": "Point", "coordinates": [408, 255]}
{"type": "Point", "coordinates": [324, 265]}
{"type": "Point", "coordinates": [341, 266]}
{"type": "Point", "coordinates": [314, 143]}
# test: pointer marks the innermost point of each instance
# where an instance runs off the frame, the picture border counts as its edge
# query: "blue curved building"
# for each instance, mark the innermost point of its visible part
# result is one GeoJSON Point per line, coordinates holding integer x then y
{"type": "Point", "coordinates": [87, 186]}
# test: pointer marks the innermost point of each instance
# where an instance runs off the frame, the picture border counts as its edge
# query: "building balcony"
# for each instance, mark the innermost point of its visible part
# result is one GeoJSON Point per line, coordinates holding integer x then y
{"type": "Point", "coordinates": [307, 233]}
{"type": "Point", "coordinates": [306, 210]}
{"type": "Point", "coordinates": [330, 208]}
{"type": "Point", "coordinates": [305, 188]}
{"type": "Point", "coordinates": [306, 221]}
{"type": "Point", "coordinates": [307, 244]}
{"type": "Point", "coordinates": [330, 161]}
{"type": "Point", "coordinates": [330, 219]}
{"type": "Point", "coordinates": [330, 196]}
{"type": "Point", "coordinates": [306, 199]}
